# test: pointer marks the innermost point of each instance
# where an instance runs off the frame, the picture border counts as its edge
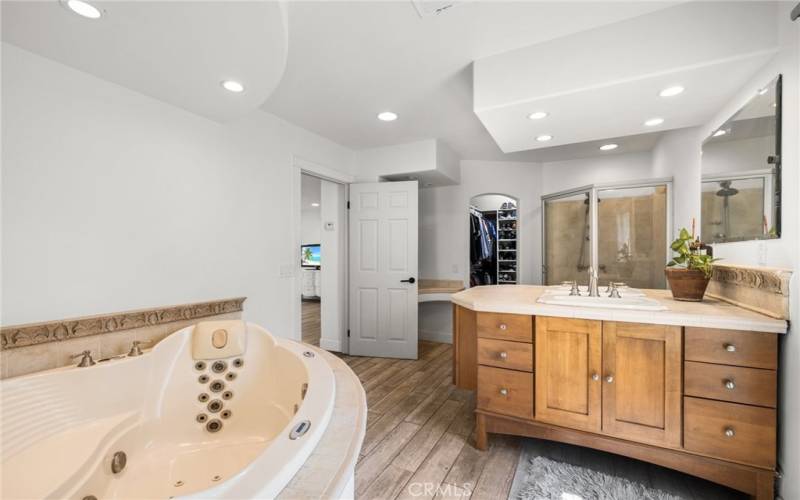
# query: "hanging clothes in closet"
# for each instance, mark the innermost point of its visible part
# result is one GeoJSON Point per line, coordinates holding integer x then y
{"type": "Point", "coordinates": [483, 248]}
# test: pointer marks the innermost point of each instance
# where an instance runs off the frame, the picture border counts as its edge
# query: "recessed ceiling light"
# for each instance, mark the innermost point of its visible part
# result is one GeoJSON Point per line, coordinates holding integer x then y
{"type": "Point", "coordinates": [720, 132]}
{"type": "Point", "coordinates": [763, 91]}
{"type": "Point", "coordinates": [671, 91]}
{"type": "Point", "coordinates": [233, 86]}
{"type": "Point", "coordinates": [537, 115]}
{"type": "Point", "coordinates": [652, 122]}
{"type": "Point", "coordinates": [544, 138]}
{"type": "Point", "coordinates": [387, 116]}
{"type": "Point", "coordinates": [315, 204]}
{"type": "Point", "coordinates": [83, 9]}
{"type": "Point", "coordinates": [608, 147]}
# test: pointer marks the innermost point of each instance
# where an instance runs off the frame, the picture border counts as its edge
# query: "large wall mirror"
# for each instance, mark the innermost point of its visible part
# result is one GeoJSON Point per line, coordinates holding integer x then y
{"type": "Point", "coordinates": [741, 167]}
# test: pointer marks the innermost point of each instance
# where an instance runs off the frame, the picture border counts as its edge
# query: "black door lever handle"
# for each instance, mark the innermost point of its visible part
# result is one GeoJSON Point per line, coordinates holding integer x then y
{"type": "Point", "coordinates": [409, 280]}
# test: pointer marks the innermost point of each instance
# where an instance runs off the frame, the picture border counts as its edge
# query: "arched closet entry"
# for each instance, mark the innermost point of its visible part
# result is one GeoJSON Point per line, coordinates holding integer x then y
{"type": "Point", "coordinates": [493, 240]}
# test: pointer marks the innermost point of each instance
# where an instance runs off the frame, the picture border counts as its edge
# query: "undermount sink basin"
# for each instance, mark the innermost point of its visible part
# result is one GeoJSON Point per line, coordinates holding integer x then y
{"type": "Point", "coordinates": [638, 303]}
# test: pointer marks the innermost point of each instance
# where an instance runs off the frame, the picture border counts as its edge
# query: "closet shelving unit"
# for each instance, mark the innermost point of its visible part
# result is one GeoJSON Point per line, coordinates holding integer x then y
{"type": "Point", "coordinates": [507, 246]}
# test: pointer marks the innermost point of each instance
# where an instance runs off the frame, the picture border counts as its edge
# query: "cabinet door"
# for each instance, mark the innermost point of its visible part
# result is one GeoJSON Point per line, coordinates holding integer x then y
{"type": "Point", "coordinates": [567, 372]}
{"type": "Point", "coordinates": [642, 382]}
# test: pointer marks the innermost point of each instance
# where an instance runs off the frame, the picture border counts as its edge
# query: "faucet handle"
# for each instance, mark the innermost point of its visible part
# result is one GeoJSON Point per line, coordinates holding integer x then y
{"type": "Point", "coordinates": [86, 358]}
{"type": "Point", "coordinates": [135, 349]}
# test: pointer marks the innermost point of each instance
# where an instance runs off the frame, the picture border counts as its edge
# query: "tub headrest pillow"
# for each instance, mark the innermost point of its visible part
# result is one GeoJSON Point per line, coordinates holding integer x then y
{"type": "Point", "coordinates": [219, 339]}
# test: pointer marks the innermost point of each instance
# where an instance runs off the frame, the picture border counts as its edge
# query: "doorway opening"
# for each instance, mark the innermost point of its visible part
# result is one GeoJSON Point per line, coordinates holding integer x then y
{"type": "Point", "coordinates": [494, 240]}
{"type": "Point", "coordinates": [311, 258]}
{"type": "Point", "coordinates": [319, 254]}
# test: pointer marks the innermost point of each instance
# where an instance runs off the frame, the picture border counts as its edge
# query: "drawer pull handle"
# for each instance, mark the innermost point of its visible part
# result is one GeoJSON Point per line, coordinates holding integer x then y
{"type": "Point", "coordinates": [730, 385]}
{"type": "Point", "coordinates": [729, 432]}
{"type": "Point", "coordinates": [610, 379]}
{"type": "Point", "coordinates": [503, 355]}
{"type": "Point", "coordinates": [595, 376]}
{"type": "Point", "coordinates": [730, 347]}
{"type": "Point", "coordinates": [503, 326]}
{"type": "Point", "coordinates": [504, 391]}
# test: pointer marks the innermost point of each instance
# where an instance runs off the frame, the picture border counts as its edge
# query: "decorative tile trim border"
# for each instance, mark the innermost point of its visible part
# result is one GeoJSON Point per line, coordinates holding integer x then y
{"type": "Point", "coordinates": [766, 279]}
{"type": "Point", "coordinates": [54, 331]}
{"type": "Point", "coordinates": [764, 290]}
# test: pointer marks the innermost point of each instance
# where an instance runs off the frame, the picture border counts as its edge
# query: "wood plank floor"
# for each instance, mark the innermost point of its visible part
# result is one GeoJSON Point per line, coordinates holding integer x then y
{"type": "Point", "coordinates": [420, 438]}
{"type": "Point", "coordinates": [311, 322]}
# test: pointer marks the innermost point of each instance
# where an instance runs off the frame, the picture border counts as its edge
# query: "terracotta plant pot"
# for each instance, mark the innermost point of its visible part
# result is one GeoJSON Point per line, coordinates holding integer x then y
{"type": "Point", "coordinates": [686, 284]}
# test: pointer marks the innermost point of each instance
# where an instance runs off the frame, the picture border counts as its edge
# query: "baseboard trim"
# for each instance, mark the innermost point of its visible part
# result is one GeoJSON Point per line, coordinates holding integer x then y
{"type": "Point", "coordinates": [443, 337]}
{"type": "Point", "coordinates": [330, 345]}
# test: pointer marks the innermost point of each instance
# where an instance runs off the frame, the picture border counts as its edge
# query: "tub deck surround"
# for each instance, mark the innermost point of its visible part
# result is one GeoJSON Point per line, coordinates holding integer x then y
{"type": "Point", "coordinates": [711, 313]}
{"type": "Point", "coordinates": [70, 421]}
{"type": "Point", "coordinates": [328, 471]}
{"type": "Point", "coordinates": [692, 388]}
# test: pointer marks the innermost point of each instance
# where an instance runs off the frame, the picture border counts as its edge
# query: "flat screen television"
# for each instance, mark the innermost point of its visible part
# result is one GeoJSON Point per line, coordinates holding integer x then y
{"type": "Point", "coordinates": [310, 255]}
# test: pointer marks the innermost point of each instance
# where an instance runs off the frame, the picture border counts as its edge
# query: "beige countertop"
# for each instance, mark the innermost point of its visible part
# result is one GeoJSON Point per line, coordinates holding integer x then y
{"type": "Point", "coordinates": [711, 313]}
{"type": "Point", "coordinates": [427, 286]}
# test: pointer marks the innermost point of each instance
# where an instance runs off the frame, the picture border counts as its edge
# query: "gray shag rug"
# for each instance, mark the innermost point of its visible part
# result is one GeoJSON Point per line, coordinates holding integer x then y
{"type": "Point", "coordinates": [539, 478]}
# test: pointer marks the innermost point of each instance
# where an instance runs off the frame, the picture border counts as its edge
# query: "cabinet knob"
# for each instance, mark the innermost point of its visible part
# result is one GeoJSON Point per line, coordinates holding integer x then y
{"type": "Point", "coordinates": [730, 384]}
{"type": "Point", "coordinates": [503, 326]}
{"type": "Point", "coordinates": [595, 376]}
{"type": "Point", "coordinates": [610, 378]}
{"type": "Point", "coordinates": [730, 347]}
{"type": "Point", "coordinates": [504, 391]}
{"type": "Point", "coordinates": [730, 432]}
{"type": "Point", "coordinates": [503, 355]}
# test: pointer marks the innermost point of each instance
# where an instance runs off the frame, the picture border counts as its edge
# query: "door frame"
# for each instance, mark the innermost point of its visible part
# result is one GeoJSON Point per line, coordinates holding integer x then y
{"type": "Point", "coordinates": [302, 166]}
{"type": "Point", "coordinates": [592, 190]}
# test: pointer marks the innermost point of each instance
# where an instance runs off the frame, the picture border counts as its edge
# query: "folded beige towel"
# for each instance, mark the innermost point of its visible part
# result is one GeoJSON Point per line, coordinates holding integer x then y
{"type": "Point", "coordinates": [219, 339]}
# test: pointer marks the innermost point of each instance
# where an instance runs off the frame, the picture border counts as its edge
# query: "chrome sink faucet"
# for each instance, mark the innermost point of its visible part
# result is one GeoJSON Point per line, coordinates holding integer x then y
{"type": "Point", "coordinates": [593, 291]}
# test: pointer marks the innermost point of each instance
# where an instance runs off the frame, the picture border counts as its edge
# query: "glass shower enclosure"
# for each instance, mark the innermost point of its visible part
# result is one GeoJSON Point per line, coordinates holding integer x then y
{"type": "Point", "coordinates": [620, 230]}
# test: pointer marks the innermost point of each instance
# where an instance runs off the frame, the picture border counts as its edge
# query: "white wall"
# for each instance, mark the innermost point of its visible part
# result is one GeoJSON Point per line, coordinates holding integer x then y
{"type": "Point", "coordinates": [333, 310]}
{"type": "Point", "coordinates": [444, 230]}
{"type": "Point", "coordinates": [677, 155]}
{"type": "Point", "coordinates": [603, 168]}
{"type": "Point", "coordinates": [310, 226]}
{"type": "Point", "coordinates": [112, 200]}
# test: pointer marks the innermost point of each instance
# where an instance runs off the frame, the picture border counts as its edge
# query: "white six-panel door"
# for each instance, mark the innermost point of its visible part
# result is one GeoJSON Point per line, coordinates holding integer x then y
{"type": "Point", "coordinates": [383, 269]}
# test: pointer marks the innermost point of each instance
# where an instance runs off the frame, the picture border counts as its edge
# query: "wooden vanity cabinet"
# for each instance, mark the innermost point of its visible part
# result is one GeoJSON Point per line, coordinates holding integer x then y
{"type": "Point", "coordinates": [642, 382]}
{"type": "Point", "coordinates": [698, 400]}
{"type": "Point", "coordinates": [567, 368]}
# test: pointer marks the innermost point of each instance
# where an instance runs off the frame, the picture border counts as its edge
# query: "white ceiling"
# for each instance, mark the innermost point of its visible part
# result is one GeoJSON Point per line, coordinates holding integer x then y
{"type": "Point", "coordinates": [350, 60]}
{"type": "Point", "coordinates": [178, 52]}
{"type": "Point", "coordinates": [612, 89]}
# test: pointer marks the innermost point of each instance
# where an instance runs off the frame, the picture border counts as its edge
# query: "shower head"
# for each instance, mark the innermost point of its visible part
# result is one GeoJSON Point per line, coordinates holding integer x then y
{"type": "Point", "coordinates": [726, 190]}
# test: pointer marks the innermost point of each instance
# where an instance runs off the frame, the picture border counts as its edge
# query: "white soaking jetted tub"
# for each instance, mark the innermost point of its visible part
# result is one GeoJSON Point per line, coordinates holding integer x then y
{"type": "Point", "coordinates": [181, 428]}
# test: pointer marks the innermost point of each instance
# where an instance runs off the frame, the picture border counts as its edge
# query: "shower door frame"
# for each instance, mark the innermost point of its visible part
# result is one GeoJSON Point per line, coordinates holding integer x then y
{"type": "Point", "coordinates": [593, 190]}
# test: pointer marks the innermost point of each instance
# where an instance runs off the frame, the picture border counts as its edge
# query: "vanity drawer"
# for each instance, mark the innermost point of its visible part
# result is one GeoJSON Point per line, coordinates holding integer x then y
{"type": "Point", "coordinates": [730, 431]}
{"type": "Point", "coordinates": [752, 386]}
{"type": "Point", "coordinates": [505, 354]}
{"type": "Point", "coordinates": [731, 347]}
{"type": "Point", "coordinates": [516, 327]}
{"type": "Point", "coordinates": [505, 391]}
